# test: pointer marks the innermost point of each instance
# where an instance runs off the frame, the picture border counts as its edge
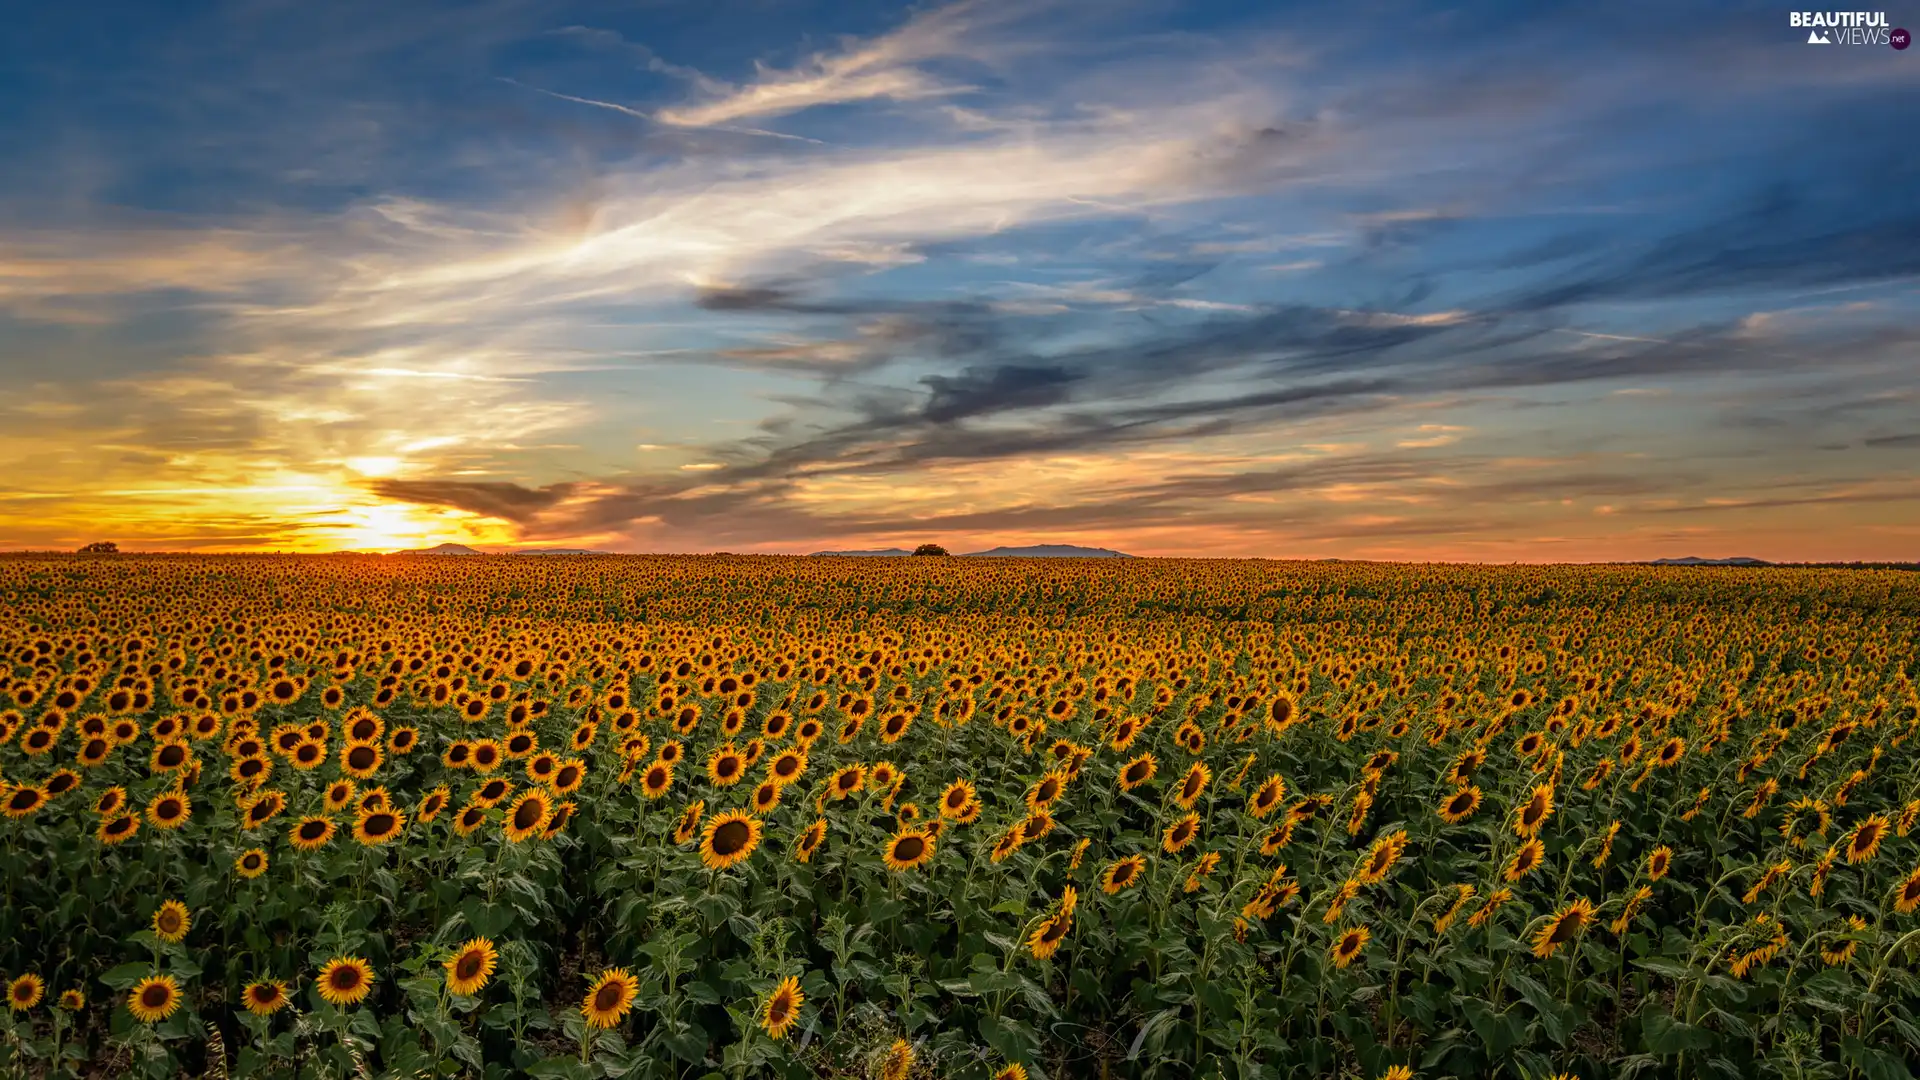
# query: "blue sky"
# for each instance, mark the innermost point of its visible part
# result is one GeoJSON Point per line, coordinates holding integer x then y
{"type": "Point", "coordinates": [1504, 282]}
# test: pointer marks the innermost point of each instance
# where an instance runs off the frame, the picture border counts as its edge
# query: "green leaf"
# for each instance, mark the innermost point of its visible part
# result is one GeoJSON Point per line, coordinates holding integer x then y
{"type": "Point", "coordinates": [1663, 1035]}
{"type": "Point", "coordinates": [1873, 1063]}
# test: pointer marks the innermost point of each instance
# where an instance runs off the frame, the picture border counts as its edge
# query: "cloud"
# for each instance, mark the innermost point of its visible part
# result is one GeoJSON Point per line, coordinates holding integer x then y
{"type": "Point", "coordinates": [886, 67]}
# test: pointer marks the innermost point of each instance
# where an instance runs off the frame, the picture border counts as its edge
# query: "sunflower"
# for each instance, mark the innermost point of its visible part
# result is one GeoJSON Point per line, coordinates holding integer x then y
{"type": "Point", "coordinates": [1012, 1071]}
{"type": "Point", "coordinates": [72, 1000]}
{"type": "Point", "coordinates": [469, 820]}
{"type": "Point", "coordinates": [262, 808]}
{"type": "Point", "coordinates": [432, 804]}
{"type": "Point", "coordinates": [782, 1008]}
{"type": "Point", "coordinates": [1123, 874]}
{"type": "Point", "coordinates": [265, 998]}
{"type": "Point", "coordinates": [311, 833]}
{"type": "Point", "coordinates": [528, 815]}
{"type": "Point", "coordinates": [1630, 909]}
{"type": "Point", "coordinates": [1460, 805]}
{"type": "Point", "coordinates": [251, 863]}
{"type": "Point", "coordinates": [562, 813]}
{"type": "Point", "coordinates": [1137, 772]}
{"type": "Point", "coordinates": [846, 781]}
{"type": "Point", "coordinates": [378, 827]}
{"type": "Point", "coordinates": [1046, 790]}
{"type": "Point", "coordinates": [1461, 894]}
{"type": "Point", "coordinates": [1564, 926]}
{"type": "Point", "coordinates": [117, 830]}
{"type": "Point", "coordinates": [403, 740]}
{"type": "Point", "coordinates": [766, 796]}
{"type": "Point", "coordinates": [345, 980]}
{"type": "Point", "coordinates": [1535, 811]}
{"type": "Point", "coordinates": [1526, 860]}
{"type": "Point", "coordinates": [609, 998]}
{"type": "Point", "coordinates": [307, 755]}
{"type": "Point", "coordinates": [486, 756]}
{"type": "Point", "coordinates": [1202, 868]}
{"type": "Point", "coordinates": [1863, 842]}
{"type": "Point", "coordinates": [897, 1062]}
{"type": "Point", "coordinates": [1052, 931]}
{"type": "Point", "coordinates": [1178, 835]}
{"type": "Point", "coordinates": [340, 795]}
{"type": "Point", "coordinates": [725, 766]}
{"type": "Point", "coordinates": [1267, 797]}
{"type": "Point", "coordinates": [1380, 859]}
{"type": "Point", "coordinates": [170, 810]}
{"type": "Point", "coordinates": [656, 780]}
{"type": "Point", "coordinates": [491, 793]}
{"type": "Point", "coordinates": [908, 849]}
{"type": "Point", "coordinates": [172, 921]}
{"type": "Point", "coordinates": [1906, 898]}
{"type": "Point", "coordinates": [689, 821]}
{"type": "Point", "coordinates": [1843, 951]}
{"type": "Point", "coordinates": [24, 992]}
{"type": "Point", "coordinates": [470, 966]}
{"type": "Point", "coordinates": [1606, 845]}
{"type": "Point", "coordinates": [1194, 783]}
{"type": "Point", "coordinates": [153, 999]}
{"type": "Point", "coordinates": [786, 767]}
{"type": "Point", "coordinates": [1347, 947]}
{"type": "Point", "coordinates": [730, 838]}
{"type": "Point", "coordinates": [111, 801]}
{"type": "Point", "coordinates": [1659, 861]}
{"type": "Point", "coordinates": [809, 841]}
{"type": "Point", "coordinates": [954, 800]}
{"type": "Point", "coordinates": [1486, 910]}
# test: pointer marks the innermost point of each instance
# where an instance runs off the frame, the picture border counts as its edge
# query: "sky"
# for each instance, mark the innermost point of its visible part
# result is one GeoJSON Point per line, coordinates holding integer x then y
{"type": "Point", "coordinates": [1503, 282]}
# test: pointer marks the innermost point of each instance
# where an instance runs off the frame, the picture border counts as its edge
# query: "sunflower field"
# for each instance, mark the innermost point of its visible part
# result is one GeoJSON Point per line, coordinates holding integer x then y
{"type": "Point", "coordinates": [727, 816]}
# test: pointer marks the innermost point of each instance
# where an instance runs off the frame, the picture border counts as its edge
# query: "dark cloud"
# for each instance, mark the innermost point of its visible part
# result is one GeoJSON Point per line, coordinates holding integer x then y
{"type": "Point", "coordinates": [1900, 442]}
{"type": "Point", "coordinates": [508, 502]}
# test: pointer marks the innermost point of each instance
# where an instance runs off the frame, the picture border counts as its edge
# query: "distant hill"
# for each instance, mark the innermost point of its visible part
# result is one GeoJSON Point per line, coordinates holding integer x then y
{"type": "Point", "coordinates": [1695, 560]}
{"type": "Point", "coordinates": [1048, 551]}
{"type": "Point", "coordinates": [875, 553]}
{"type": "Point", "coordinates": [438, 549]}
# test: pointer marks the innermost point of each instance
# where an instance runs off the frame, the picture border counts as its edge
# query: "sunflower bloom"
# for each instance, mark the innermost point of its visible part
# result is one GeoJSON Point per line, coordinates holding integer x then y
{"type": "Point", "coordinates": [781, 1010]}
{"type": "Point", "coordinates": [470, 966]}
{"type": "Point", "coordinates": [345, 980]}
{"type": "Point", "coordinates": [610, 998]}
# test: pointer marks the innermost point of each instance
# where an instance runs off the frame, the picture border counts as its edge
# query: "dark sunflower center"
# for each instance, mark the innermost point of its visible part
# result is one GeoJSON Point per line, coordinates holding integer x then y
{"type": "Point", "coordinates": [469, 966]}
{"type": "Point", "coordinates": [1460, 803]}
{"type": "Point", "coordinates": [313, 830]}
{"type": "Point", "coordinates": [154, 997]}
{"type": "Point", "coordinates": [345, 978]}
{"type": "Point", "coordinates": [528, 815]}
{"type": "Point", "coordinates": [494, 789]}
{"type": "Point", "coordinates": [607, 998]}
{"type": "Point", "coordinates": [1136, 773]}
{"type": "Point", "coordinates": [731, 837]}
{"type": "Point", "coordinates": [909, 848]}
{"type": "Point", "coordinates": [360, 757]}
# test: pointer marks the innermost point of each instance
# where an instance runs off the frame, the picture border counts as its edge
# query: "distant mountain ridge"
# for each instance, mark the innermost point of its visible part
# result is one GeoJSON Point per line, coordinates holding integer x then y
{"type": "Point", "coordinates": [1695, 560]}
{"type": "Point", "coordinates": [1036, 551]}
{"type": "Point", "coordinates": [438, 549]}
{"type": "Point", "coordinates": [1049, 551]}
